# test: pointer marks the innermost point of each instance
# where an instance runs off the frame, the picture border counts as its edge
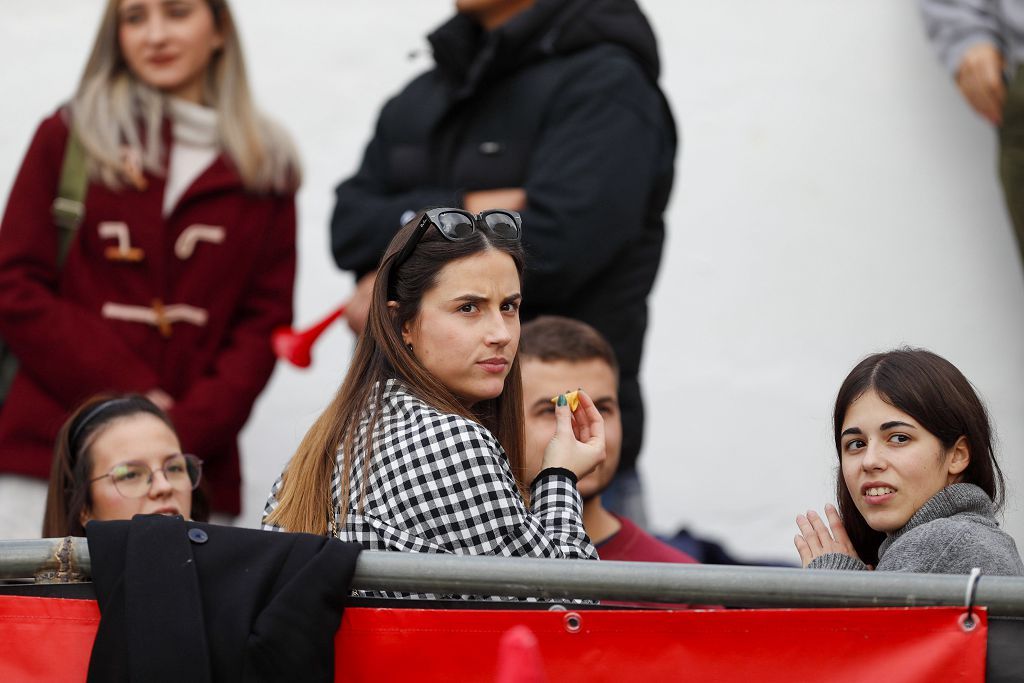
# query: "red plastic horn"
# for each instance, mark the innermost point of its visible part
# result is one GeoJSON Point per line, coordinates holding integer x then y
{"type": "Point", "coordinates": [295, 347]}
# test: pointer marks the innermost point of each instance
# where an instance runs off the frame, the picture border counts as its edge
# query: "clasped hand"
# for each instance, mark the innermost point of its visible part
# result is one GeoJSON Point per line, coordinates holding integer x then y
{"type": "Point", "coordinates": [980, 79]}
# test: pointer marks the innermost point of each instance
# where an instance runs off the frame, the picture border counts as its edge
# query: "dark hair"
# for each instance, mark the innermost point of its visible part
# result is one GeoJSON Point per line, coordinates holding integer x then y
{"type": "Point", "coordinates": [937, 395]}
{"type": "Point", "coordinates": [557, 338]}
{"type": "Point", "coordinates": [380, 355]}
{"type": "Point", "coordinates": [69, 493]}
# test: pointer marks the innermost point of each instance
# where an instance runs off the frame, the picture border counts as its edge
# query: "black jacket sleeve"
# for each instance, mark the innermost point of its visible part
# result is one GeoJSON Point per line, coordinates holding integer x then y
{"type": "Point", "coordinates": [592, 175]}
{"type": "Point", "coordinates": [368, 211]}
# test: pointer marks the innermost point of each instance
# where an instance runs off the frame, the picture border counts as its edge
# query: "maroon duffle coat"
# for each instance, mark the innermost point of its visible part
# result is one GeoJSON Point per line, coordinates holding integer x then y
{"type": "Point", "coordinates": [185, 303]}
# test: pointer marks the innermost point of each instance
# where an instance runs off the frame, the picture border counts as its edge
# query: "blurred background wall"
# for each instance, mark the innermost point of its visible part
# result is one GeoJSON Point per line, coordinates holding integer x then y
{"type": "Point", "coordinates": [834, 197]}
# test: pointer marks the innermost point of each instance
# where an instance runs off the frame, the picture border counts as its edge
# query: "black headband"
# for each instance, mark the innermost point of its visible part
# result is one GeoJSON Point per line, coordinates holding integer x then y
{"type": "Point", "coordinates": [90, 416]}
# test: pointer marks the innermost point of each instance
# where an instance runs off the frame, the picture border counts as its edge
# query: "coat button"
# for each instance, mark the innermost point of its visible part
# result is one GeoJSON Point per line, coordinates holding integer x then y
{"type": "Point", "coordinates": [197, 535]}
{"type": "Point", "coordinates": [491, 148]}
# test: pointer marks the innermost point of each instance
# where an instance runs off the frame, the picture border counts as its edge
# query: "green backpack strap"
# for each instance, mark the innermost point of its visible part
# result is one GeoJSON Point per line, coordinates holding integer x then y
{"type": "Point", "coordinates": [68, 209]}
{"type": "Point", "coordinates": [69, 206]}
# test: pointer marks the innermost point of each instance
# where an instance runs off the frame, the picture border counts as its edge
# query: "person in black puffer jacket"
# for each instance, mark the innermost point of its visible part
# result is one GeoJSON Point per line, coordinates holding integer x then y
{"type": "Point", "coordinates": [551, 108]}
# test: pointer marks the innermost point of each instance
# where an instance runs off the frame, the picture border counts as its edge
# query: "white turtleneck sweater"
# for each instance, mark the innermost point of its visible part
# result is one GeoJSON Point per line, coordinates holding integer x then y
{"type": "Point", "coordinates": [194, 147]}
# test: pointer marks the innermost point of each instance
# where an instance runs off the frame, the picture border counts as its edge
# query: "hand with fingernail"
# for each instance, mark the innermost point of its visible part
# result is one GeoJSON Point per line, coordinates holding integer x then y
{"type": "Point", "coordinates": [578, 443]}
{"type": "Point", "coordinates": [816, 539]}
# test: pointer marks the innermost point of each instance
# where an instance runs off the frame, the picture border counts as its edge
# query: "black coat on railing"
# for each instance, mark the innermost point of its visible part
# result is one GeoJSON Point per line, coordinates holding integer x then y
{"type": "Point", "coordinates": [184, 601]}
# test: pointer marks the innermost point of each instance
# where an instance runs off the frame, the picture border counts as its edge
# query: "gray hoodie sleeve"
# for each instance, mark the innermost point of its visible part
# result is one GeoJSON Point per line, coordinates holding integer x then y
{"type": "Point", "coordinates": [836, 561]}
{"type": "Point", "coordinates": [953, 26]}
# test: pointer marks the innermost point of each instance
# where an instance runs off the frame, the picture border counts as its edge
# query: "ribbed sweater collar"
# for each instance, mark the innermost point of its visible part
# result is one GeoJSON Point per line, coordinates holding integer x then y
{"type": "Point", "coordinates": [193, 124]}
{"type": "Point", "coordinates": [951, 500]}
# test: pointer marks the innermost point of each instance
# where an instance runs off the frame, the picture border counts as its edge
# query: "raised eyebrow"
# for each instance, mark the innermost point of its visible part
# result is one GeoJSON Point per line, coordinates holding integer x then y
{"type": "Point", "coordinates": [896, 423]}
{"type": "Point", "coordinates": [851, 430]}
{"type": "Point", "coordinates": [480, 298]}
{"type": "Point", "coordinates": [470, 298]}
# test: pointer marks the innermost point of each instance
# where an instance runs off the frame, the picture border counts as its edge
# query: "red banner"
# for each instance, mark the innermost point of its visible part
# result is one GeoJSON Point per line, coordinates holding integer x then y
{"type": "Point", "coordinates": [895, 645]}
{"type": "Point", "coordinates": [47, 639]}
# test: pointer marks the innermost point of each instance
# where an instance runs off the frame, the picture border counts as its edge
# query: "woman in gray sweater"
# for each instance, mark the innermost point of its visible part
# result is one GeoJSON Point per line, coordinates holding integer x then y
{"type": "Point", "coordinates": [918, 484]}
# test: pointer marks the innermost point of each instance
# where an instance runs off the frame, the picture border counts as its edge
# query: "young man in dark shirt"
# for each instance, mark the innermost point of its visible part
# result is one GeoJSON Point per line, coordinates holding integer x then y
{"type": "Point", "coordinates": [558, 355]}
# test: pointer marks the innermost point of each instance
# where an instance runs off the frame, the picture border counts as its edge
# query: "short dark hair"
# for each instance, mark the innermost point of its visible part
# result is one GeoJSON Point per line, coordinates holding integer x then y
{"type": "Point", "coordinates": [68, 493]}
{"type": "Point", "coordinates": [556, 338]}
{"type": "Point", "coordinates": [935, 393]}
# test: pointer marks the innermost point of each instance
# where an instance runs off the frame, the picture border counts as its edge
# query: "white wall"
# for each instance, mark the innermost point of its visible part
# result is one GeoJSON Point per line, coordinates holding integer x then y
{"type": "Point", "coordinates": [834, 197]}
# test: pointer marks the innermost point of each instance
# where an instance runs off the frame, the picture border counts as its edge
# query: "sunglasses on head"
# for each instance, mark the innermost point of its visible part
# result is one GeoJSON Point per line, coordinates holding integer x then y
{"type": "Point", "coordinates": [459, 224]}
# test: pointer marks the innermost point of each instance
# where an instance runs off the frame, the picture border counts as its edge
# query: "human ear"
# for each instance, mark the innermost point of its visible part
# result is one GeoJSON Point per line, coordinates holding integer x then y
{"type": "Point", "coordinates": [406, 326]}
{"type": "Point", "coordinates": [84, 516]}
{"type": "Point", "coordinates": [218, 30]}
{"type": "Point", "coordinates": [960, 457]}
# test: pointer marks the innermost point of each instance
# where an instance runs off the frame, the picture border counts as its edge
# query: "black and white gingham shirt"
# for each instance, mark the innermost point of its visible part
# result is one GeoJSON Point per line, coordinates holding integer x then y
{"type": "Point", "coordinates": [440, 483]}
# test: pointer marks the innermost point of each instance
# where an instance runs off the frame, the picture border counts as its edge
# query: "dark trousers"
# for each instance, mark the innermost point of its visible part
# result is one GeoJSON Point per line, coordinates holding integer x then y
{"type": "Point", "coordinates": [1011, 154]}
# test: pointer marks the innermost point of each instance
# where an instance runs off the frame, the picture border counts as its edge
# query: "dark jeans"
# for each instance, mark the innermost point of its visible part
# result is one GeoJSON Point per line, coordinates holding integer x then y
{"type": "Point", "coordinates": [1011, 154]}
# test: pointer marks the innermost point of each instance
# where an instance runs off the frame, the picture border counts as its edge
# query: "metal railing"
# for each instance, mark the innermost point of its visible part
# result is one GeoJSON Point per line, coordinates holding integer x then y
{"type": "Point", "coordinates": [67, 559]}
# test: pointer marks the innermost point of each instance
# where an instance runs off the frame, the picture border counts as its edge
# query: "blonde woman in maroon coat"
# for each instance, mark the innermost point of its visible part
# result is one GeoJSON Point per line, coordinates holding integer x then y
{"type": "Point", "coordinates": [184, 260]}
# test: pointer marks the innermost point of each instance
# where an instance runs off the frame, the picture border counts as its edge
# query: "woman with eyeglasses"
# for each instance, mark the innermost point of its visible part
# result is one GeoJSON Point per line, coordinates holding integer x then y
{"type": "Point", "coordinates": [117, 457]}
{"type": "Point", "coordinates": [421, 449]}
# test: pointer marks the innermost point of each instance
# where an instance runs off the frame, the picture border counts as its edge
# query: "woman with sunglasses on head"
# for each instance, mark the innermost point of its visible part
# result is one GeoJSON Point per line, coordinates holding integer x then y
{"type": "Point", "coordinates": [918, 485]}
{"type": "Point", "coordinates": [422, 447]}
{"type": "Point", "coordinates": [171, 279]}
{"type": "Point", "coordinates": [117, 457]}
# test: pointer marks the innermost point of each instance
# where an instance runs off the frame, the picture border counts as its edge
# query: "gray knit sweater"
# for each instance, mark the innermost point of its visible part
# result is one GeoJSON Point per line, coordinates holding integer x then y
{"type": "Point", "coordinates": [954, 26]}
{"type": "Point", "coordinates": [951, 533]}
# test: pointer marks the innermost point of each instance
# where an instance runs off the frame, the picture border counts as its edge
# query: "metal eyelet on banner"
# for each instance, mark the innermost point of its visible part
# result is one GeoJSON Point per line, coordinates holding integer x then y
{"type": "Point", "coordinates": [967, 621]}
{"type": "Point", "coordinates": [573, 622]}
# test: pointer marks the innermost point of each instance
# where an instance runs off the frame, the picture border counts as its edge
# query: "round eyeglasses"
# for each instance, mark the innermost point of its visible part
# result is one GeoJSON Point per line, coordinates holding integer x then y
{"type": "Point", "coordinates": [133, 479]}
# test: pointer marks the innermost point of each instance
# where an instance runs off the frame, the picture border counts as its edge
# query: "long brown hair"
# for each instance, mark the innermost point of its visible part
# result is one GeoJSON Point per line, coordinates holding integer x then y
{"type": "Point", "coordinates": [304, 501]}
{"type": "Point", "coordinates": [69, 493]}
{"type": "Point", "coordinates": [937, 395]}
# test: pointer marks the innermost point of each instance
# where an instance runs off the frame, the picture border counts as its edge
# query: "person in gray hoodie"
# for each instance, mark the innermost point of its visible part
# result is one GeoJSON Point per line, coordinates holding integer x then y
{"type": "Point", "coordinates": [918, 484]}
{"type": "Point", "coordinates": [981, 44]}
